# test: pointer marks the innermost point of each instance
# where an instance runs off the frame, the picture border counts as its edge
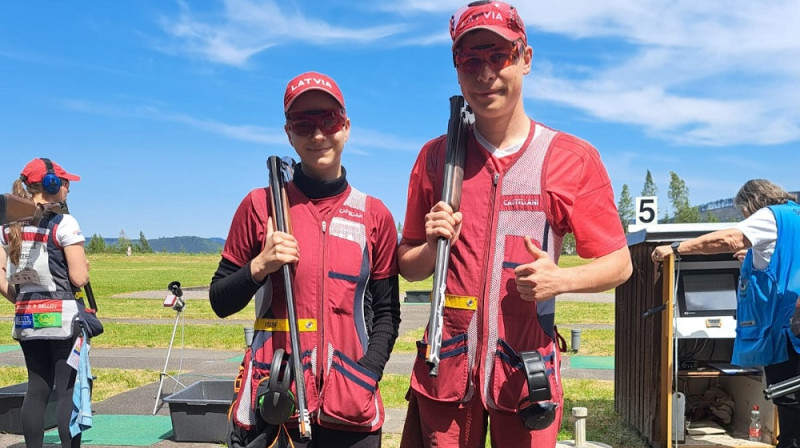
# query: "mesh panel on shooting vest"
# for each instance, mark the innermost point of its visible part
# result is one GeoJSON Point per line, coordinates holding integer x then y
{"type": "Point", "coordinates": [520, 185]}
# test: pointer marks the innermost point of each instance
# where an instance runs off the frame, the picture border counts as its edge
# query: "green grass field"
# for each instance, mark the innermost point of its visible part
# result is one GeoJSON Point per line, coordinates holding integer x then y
{"type": "Point", "coordinates": [118, 274]}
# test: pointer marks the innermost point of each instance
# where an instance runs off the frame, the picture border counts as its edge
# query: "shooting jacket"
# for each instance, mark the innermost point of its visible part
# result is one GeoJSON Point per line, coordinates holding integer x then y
{"type": "Point", "coordinates": [335, 269]}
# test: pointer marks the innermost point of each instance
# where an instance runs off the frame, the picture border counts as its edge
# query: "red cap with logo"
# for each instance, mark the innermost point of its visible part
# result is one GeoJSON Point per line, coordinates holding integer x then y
{"type": "Point", "coordinates": [304, 82]}
{"type": "Point", "coordinates": [498, 17]}
{"type": "Point", "coordinates": [36, 169]}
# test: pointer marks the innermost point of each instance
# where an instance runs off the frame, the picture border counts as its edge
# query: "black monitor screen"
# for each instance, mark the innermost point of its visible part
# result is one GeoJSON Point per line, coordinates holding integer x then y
{"type": "Point", "coordinates": [707, 293]}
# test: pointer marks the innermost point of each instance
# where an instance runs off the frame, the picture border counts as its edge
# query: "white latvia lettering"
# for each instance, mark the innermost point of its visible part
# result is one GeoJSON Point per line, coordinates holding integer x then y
{"type": "Point", "coordinates": [307, 81]}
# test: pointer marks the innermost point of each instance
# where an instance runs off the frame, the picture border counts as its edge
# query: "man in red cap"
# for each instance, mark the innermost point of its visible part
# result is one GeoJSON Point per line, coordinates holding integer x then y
{"type": "Point", "coordinates": [525, 187]}
{"type": "Point", "coordinates": [343, 250]}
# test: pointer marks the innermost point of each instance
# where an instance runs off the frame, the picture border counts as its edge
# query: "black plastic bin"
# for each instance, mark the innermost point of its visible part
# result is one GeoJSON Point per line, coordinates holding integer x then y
{"type": "Point", "coordinates": [11, 409]}
{"type": "Point", "coordinates": [200, 412]}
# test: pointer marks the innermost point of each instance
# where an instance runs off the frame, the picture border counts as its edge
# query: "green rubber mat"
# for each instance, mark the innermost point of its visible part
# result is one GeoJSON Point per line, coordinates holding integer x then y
{"type": "Point", "coordinates": [129, 430]}
{"type": "Point", "coordinates": [8, 348]}
{"type": "Point", "coordinates": [591, 362]}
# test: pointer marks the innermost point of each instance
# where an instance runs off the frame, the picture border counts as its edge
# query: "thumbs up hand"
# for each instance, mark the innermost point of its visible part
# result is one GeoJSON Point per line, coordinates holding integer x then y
{"type": "Point", "coordinates": [539, 279]}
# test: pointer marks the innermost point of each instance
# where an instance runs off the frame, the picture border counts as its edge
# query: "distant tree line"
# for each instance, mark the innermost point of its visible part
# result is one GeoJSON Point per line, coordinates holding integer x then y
{"type": "Point", "coordinates": [97, 245]}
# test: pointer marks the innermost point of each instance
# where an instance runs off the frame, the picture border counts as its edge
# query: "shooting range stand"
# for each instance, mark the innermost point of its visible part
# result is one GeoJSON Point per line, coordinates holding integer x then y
{"type": "Point", "coordinates": [645, 347]}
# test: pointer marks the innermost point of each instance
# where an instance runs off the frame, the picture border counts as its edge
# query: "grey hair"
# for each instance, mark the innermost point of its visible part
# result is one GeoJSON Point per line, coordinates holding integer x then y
{"type": "Point", "coordinates": [756, 194]}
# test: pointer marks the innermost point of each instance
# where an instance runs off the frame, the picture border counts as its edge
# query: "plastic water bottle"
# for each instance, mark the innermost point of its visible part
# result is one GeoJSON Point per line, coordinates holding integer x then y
{"type": "Point", "coordinates": [755, 424]}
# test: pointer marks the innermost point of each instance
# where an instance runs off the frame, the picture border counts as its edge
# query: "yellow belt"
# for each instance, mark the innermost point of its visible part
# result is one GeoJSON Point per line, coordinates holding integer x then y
{"type": "Point", "coordinates": [265, 324]}
{"type": "Point", "coordinates": [461, 302]}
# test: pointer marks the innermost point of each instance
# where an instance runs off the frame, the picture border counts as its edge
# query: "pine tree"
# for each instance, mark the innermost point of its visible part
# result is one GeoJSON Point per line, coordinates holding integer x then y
{"type": "Point", "coordinates": [649, 188]}
{"type": "Point", "coordinates": [625, 207]}
{"type": "Point", "coordinates": [97, 245]}
{"type": "Point", "coordinates": [144, 245]}
{"type": "Point", "coordinates": [123, 242]}
{"type": "Point", "coordinates": [679, 198]}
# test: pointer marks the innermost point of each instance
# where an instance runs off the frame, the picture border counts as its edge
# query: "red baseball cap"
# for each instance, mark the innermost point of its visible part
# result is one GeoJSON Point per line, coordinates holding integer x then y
{"type": "Point", "coordinates": [496, 16]}
{"type": "Point", "coordinates": [36, 169]}
{"type": "Point", "coordinates": [304, 82]}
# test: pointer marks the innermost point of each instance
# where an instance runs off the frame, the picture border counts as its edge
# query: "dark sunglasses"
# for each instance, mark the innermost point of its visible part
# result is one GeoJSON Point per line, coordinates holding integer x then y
{"type": "Point", "coordinates": [305, 123]}
{"type": "Point", "coordinates": [471, 61]}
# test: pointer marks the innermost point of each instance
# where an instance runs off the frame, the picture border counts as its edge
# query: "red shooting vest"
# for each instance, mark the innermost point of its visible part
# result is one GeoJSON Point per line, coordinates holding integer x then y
{"type": "Point", "coordinates": [329, 290]}
{"type": "Point", "coordinates": [486, 323]}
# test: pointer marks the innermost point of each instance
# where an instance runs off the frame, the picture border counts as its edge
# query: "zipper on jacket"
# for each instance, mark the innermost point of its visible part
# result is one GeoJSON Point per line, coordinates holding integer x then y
{"type": "Point", "coordinates": [482, 339]}
{"type": "Point", "coordinates": [322, 347]}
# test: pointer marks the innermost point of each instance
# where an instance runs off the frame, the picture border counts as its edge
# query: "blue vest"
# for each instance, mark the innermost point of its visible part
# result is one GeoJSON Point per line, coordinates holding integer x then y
{"type": "Point", "coordinates": [766, 298]}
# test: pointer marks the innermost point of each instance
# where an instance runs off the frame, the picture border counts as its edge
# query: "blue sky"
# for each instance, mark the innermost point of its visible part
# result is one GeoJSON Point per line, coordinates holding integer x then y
{"type": "Point", "coordinates": [168, 110]}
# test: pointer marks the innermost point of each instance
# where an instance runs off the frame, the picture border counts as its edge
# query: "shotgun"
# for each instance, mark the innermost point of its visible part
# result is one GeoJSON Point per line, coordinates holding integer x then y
{"type": "Point", "coordinates": [785, 387]}
{"type": "Point", "coordinates": [16, 209]}
{"type": "Point", "coordinates": [457, 131]}
{"type": "Point", "coordinates": [281, 172]}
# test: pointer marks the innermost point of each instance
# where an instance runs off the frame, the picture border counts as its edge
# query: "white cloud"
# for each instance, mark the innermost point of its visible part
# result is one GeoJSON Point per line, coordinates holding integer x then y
{"type": "Point", "coordinates": [243, 132]}
{"type": "Point", "coordinates": [685, 71]}
{"type": "Point", "coordinates": [696, 72]}
{"type": "Point", "coordinates": [362, 141]}
{"type": "Point", "coordinates": [249, 27]}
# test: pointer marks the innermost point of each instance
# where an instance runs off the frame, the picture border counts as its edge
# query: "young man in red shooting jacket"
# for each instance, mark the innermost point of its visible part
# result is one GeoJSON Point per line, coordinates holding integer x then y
{"type": "Point", "coordinates": [525, 187]}
{"type": "Point", "coordinates": [343, 252]}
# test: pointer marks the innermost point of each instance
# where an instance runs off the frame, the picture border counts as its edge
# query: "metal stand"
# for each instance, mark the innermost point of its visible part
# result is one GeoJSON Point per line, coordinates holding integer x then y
{"type": "Point", "coordinates": [178, 306]}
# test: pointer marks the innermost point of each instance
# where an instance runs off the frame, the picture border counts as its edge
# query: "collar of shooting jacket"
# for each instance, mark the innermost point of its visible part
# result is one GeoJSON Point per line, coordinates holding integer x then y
{"type": "Point", "coordinates": [318, 189]}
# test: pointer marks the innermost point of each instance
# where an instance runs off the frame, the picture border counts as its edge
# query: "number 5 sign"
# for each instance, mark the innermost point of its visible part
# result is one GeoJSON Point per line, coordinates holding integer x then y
{"type": "Point", "coordinates": [646, 210]}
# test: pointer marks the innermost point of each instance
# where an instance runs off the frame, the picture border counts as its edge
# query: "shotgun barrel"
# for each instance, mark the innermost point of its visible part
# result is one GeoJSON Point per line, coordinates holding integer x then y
{"type": "Point", "coordinates": [785, 387]}
{"type": "Point", "coordinates": [455, 155]}
{"type": "Point", "coordinates": [279, 174]}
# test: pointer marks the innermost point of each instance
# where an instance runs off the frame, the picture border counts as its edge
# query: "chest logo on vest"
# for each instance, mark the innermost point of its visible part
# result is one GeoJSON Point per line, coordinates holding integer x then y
{"type": "Point", "coordinates": [526, 202]}
{"type": "Point", "coordinates": [351, 213]}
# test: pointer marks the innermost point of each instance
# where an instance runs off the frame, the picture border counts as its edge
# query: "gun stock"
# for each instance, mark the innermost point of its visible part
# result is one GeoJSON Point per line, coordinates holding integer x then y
{"type": "Point", "coordinates": [279, 174]}
{"type": "Point", "coordinates": [455, 155]}
{"type": "Point", "coordinates": [16, 209]}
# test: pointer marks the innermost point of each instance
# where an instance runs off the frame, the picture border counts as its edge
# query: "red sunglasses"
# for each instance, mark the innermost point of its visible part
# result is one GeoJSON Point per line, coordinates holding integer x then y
{"type": "Point", "coordinates": [471, 61]}
{"type": "Point", "coordinates": [305, 123]}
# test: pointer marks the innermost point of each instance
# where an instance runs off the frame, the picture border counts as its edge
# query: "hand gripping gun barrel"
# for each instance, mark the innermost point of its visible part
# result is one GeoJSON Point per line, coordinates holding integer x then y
{"type": "Point", "coordinates": [281, 172]}
{"type": "Point", "coordinates": [455, 154]}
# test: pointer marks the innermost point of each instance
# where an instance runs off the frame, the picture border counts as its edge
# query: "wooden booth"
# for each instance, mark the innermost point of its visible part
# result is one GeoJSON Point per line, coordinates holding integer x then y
{"type": "Point", "coordinates": [667, 329]}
